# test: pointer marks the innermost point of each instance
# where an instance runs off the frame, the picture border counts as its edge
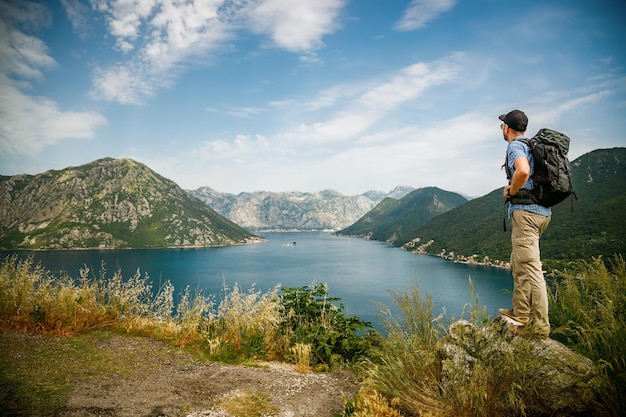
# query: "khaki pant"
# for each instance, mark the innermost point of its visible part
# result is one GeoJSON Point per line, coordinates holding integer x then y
{"type": "Point", "coordinates": [530, 296]}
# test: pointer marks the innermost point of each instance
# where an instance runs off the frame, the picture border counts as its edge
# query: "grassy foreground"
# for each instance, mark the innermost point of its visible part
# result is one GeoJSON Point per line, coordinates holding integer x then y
{"type": "Point", "coordinates": [400, 371]}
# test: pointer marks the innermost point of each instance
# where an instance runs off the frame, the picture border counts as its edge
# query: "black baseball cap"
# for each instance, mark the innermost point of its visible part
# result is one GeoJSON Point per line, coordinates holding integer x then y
{"type": "Point", "coordinates": [515, 119]}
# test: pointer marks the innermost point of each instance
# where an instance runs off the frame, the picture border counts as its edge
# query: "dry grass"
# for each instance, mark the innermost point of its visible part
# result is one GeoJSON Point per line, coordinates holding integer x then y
{"type": "Point", "coordinates": [34, 301]}
{"type": "Point", "coordinates": [247, 404]}
{"type": "Point", "coordinates": [406, 370]}
{"type": "Point", "coordinates": [245, 324]}
{"type": "Point", "coordinates": [302, 357]}
{"type": "Point", "coordinates": [588, 313]}
{"type": "Point", "coordinates": [370, 403]}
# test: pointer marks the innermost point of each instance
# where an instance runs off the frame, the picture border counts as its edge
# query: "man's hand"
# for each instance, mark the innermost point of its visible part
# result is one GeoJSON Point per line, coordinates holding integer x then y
{"type": "Point", "coordinates": [506, 192]}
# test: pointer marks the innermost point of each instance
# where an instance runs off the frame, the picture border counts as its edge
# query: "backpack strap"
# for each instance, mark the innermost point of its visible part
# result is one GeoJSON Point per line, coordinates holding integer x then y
{"type": "Point", "coordinates": [509, 174]}
{"type": "Point", "coordinates": [522, 196]}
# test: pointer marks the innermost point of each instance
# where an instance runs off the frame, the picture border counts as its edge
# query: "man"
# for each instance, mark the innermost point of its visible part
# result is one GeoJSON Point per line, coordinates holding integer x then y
{"type": "Point", "coordinates": [530, 296]}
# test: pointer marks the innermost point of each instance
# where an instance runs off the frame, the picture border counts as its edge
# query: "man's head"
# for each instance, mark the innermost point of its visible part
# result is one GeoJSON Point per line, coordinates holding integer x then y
{"type": "Point", "coordinates": [515, 123]}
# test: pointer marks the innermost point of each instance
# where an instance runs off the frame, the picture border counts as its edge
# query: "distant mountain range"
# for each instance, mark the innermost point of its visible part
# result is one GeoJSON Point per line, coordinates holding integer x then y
{"type": "Point", "coordinates": [593, 225]}
{"type": "Point", "coordinates": [264, 211]}
{"type": "Point", "coordinates": [109, 203]}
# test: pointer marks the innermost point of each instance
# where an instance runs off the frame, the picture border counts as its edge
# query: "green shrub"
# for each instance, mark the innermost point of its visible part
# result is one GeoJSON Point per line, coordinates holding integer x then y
{"type": "Point", "coordinates": [310, 316]}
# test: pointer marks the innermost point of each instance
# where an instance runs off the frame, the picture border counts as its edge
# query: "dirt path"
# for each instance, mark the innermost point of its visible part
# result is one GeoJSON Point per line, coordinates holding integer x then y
{"type": "Point", "coordinates": [152, 378]}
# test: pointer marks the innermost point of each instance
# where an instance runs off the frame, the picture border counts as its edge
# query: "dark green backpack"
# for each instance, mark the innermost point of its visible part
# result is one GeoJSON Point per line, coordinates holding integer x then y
{"type": "Point", "coordinates": [552, 180]}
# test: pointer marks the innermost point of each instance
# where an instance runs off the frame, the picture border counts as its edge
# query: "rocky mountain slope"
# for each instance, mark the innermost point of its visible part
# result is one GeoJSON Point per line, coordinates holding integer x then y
{"type": "Point", "coordinates": [109, 203]}
{"type": "Point", "coordinates": [324, 210]}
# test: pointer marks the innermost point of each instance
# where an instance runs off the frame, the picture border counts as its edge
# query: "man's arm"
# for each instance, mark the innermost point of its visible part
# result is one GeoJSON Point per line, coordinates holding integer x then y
{"type": "Point", "coordinates": [520, 176]}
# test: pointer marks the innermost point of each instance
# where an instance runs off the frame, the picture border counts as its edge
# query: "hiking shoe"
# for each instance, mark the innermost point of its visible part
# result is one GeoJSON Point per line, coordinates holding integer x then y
{"type": "Point", "coordinates": [511, 314]}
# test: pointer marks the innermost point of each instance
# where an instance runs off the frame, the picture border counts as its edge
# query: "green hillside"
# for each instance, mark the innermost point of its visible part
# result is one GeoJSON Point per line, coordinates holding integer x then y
{"type": "Point", "coordinates": [108, 203]}
{"type": "Point", "coordinates": [393, 218]}
{"type": "Point", "coordinates": [596, 226]}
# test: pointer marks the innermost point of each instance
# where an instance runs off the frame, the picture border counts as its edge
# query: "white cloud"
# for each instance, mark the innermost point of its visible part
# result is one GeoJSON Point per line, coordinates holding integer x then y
{"type": "Point", "coordinates": [77, 13]}
{"type": "Point", "coordinates": [162, 36]}
{"type": "Point", "coordinates": [326, 98]}
{"type": "Point", "coordinates": [22, 55]}
{"type": "Point", "coordinates": [26, 14]}
{"type": "Point", "coordinates": [408, 84]}
{"type": "Point", "coordinates": [337, 94]}
{"type": "Point", "coordinates": [462, 154]}
{"type": "Point", "coordinates": [420, 12]}
{"type": "Point", "coordinates": [554, 105]}
{"type": "Point", "coordinates": [245, 112]}
{"type": "Point", "coordinates": [158, 38]}
{"type": "Point", "coordinates": [126, 84]}
{"type": "Point", "coordinates": [453, 154]}
{"type": "Point", "coordinates": [124, 17]}
{"type": "Point", "coordinates": [179, 31]}
{"type": "Point", "coordinates": [28, 123]}
{"type": "Point", "coordinates": [371, 105]}
{"type": "Point", "coordinates": [296, 26]}
{"type": "Point", "coordinates": [343, 149]}
{"type": "Point", "coordinates": [298, 151]}
{"type": "Point", "coordinates": [243, 146]}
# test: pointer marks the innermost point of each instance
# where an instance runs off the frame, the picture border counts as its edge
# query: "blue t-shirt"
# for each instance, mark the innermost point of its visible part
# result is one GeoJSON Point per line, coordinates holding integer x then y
{"type": "Point", "coordinates": [514, 150]}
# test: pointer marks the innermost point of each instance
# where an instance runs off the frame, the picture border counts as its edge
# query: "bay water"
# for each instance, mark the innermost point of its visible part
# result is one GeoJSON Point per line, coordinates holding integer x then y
{"type": "Point", "coordinates": [360, 272]}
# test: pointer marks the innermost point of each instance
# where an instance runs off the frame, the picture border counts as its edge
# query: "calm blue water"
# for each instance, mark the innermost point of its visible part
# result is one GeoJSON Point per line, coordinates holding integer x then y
{"type": "Point", "coordinates": [358, 271]}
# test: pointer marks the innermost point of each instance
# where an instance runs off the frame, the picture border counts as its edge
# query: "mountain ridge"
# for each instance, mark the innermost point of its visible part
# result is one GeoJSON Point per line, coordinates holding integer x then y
{"type": "Point", "coordinates": [107, 203]}
{"type": "Point", "coordinates": [392, 217]}
{"type": "Point", "coordinates": [293, 210]}
{"type": "Point", "coordinates": [595, 225]}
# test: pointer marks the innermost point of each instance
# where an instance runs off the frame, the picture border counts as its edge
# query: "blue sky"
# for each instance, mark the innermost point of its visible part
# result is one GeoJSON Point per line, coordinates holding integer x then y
{"type": "Point", "coordinates": [307, 95]}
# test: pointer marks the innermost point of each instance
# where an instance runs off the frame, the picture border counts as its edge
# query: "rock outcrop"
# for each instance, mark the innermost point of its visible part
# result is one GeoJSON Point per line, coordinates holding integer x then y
{"type": "Point", "coordinates": [543, 372]}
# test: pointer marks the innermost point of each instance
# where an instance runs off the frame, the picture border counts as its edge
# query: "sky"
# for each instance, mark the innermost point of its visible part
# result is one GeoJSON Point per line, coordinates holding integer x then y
{"type": "Point", "coordinates": [306, 95]}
